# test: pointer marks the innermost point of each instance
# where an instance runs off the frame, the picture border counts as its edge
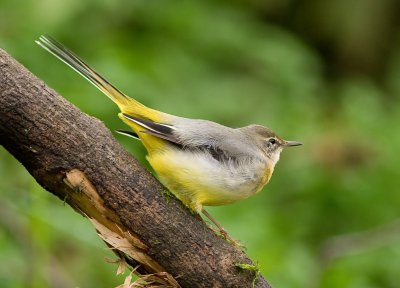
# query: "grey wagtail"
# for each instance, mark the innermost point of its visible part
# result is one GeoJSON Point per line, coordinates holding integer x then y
{"type": "Point", "coordinates": [201, 162]}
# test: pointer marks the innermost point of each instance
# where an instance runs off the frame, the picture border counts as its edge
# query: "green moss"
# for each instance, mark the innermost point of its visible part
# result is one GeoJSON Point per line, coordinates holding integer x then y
{"type": "Point", "coordinates": [250, 267]}
{"type": "Point", "coordinates": [65, 199]}
{"type": "Point", "coordinates": [167, 195]}
{"type": "Point", "coordinates": [155, 242]}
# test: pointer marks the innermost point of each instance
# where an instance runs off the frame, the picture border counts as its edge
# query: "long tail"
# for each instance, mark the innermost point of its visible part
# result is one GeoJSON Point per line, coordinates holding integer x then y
{"type": "Point", "coordinates": [125, 103]}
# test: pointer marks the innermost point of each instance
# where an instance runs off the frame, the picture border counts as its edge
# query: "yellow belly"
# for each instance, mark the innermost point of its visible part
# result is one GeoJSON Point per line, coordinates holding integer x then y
{"type": "Point", "coordinates": [197, 180]}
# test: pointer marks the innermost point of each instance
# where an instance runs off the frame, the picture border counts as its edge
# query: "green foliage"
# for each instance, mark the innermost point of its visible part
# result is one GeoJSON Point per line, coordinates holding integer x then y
{"type": "Point", "coordinates": [322, 73]}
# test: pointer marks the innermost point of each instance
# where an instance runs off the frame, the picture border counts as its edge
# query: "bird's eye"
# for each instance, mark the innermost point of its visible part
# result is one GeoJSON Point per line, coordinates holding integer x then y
{"type": "Point", "coordinates": [272, 141]}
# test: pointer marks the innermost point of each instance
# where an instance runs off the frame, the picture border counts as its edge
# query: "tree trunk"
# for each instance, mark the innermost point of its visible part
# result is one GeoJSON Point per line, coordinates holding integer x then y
{"type": "Point", "coordinates": [75, 157]}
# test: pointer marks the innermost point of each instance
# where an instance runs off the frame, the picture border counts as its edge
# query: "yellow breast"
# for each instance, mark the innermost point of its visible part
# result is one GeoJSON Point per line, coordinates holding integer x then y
{"type": "Point", "coordinates": [269, 169]}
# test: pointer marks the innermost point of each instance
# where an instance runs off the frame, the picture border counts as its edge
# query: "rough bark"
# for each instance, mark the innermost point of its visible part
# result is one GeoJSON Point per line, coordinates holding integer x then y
{"type": "Point", "coordinates": [74, 156]}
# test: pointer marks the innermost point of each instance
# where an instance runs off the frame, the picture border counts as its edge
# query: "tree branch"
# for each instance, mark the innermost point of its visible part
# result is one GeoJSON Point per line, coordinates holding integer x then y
{"type": "Point", "coordinates": [74, 156]}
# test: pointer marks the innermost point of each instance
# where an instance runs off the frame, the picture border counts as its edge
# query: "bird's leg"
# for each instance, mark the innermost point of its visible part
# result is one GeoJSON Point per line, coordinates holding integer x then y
{"type": "Point", "coordinates": [222, 231]}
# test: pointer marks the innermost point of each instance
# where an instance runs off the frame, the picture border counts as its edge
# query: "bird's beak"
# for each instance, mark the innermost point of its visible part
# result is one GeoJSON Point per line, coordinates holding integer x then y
{"type": "Point", "coordinates": [292, 143]}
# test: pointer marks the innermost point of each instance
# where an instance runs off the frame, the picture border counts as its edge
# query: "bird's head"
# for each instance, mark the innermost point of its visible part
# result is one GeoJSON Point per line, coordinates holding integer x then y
{"type": "Point", "coordinates": [269, 142]}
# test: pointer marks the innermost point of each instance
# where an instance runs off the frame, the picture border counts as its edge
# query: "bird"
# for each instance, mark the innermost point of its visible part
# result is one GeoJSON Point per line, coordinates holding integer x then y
{"type": "Point", "coordinates": [201, 162]}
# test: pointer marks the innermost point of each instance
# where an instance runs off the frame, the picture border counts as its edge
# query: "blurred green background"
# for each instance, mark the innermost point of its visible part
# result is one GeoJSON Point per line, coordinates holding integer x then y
{"type": "Point", "coordinates": [322, 72]}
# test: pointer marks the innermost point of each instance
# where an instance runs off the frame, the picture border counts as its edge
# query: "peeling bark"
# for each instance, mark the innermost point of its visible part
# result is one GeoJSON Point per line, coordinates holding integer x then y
{"type": "Point", "coordinates": [74, 156]}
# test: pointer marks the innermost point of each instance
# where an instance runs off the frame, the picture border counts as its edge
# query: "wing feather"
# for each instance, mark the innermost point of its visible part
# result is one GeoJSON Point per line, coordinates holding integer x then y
{"type": "Point", "coordinates": [169, 133]}
{"type": "Point", "coordinates": [163, 131]}
{"type": "Point", "coordinates": [128, 133]}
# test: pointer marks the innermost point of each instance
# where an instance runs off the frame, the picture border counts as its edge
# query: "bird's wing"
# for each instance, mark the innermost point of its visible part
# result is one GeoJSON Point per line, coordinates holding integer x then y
{"type": "Point", "coordinates": [205, 142]}
{"type": "Point", "coordinates": [159, 130]}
